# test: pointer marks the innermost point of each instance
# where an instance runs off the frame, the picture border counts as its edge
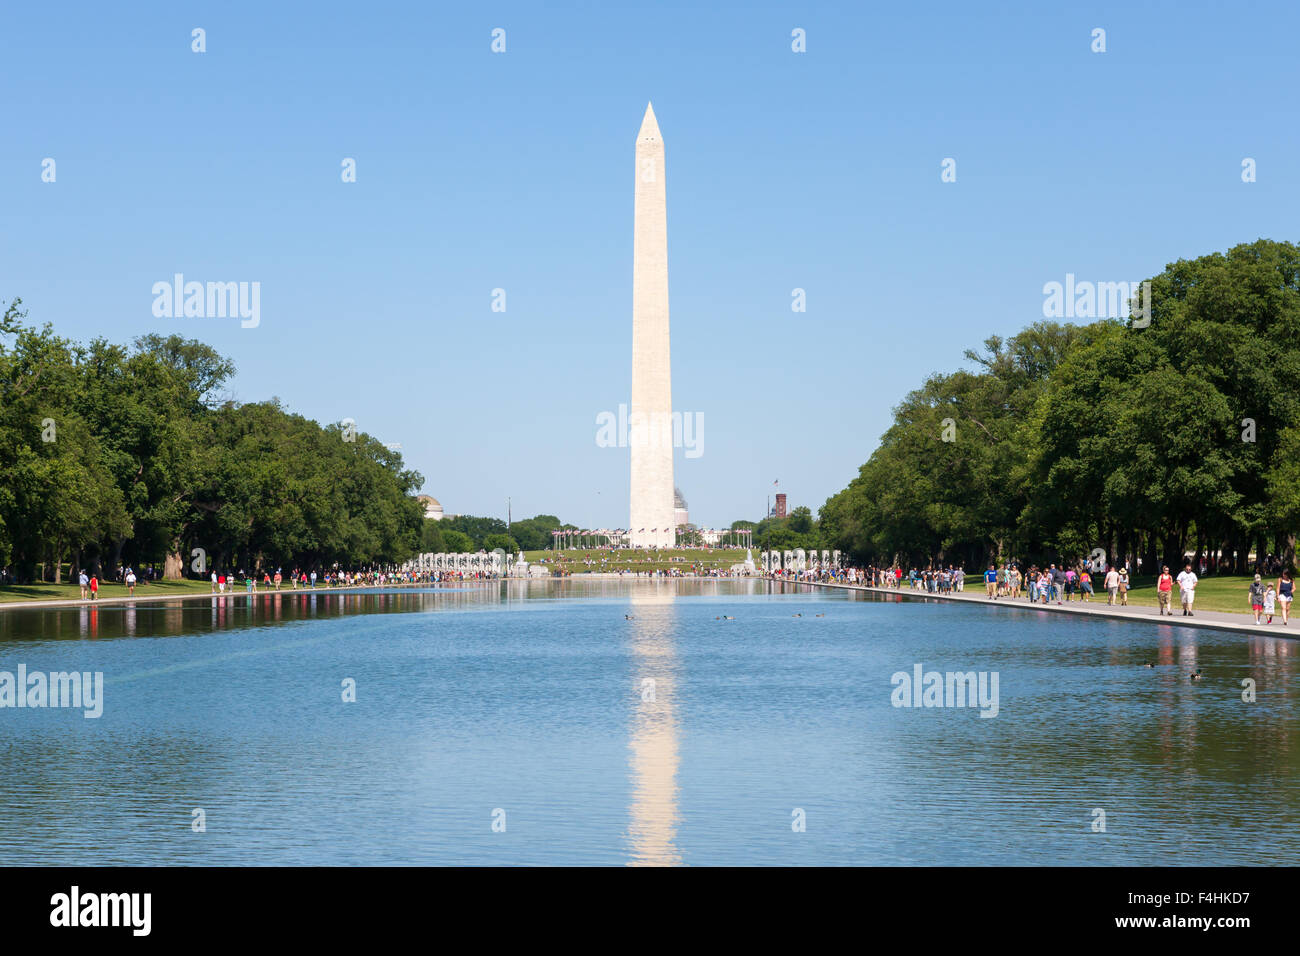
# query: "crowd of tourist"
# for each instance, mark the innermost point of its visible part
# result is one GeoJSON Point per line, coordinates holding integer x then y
{"type": "Point", "coordinates": [1052, 584]}
{"type": "Point", "coordinates": [1062, 584]}
{"type": "Point", "coordinates": [266, 580]}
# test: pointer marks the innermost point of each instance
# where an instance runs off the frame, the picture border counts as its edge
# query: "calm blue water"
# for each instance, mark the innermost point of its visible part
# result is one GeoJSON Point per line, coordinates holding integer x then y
{"type": "Point", "coordinates": [530, 698]}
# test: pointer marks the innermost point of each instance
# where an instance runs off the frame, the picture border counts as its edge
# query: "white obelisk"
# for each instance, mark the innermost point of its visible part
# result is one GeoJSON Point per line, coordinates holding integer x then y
{"type": "Point", "coordinates": [650, 433]}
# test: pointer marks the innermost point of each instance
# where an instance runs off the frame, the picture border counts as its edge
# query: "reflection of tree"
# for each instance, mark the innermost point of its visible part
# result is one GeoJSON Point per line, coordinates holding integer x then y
{"type": "Point", "coordinates": [174, 617]}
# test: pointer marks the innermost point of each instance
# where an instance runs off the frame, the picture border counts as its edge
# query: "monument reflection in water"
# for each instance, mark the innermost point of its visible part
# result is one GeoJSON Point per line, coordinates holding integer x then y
{"type": "Point", "coordinates": [653, 757]}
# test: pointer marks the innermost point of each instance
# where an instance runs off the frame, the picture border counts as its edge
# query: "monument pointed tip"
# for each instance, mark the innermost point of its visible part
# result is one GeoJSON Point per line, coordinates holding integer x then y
{"type": "Point", "coordinates": [649, 125]}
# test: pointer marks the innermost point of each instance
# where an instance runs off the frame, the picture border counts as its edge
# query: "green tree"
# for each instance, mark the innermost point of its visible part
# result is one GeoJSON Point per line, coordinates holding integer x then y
{"type": "Point", "coordinates": [431, 538]}
{"type": "Point", "coordinates": [457, 542]}
{"type": "Point", "coordinates": [129, 453]}
{"type": "Point", "coordinates": [503, 541]}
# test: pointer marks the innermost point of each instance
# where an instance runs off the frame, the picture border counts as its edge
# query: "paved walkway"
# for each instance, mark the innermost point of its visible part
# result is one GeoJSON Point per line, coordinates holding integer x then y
{"type": "Point", "coordinates": [1214, 620]}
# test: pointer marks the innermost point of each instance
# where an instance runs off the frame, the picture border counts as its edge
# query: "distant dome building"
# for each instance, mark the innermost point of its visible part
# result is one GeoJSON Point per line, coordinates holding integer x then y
{"type": "Point", "coordinates": [432, 508]}
{"type": "Point", "coordinates": [680, 515]}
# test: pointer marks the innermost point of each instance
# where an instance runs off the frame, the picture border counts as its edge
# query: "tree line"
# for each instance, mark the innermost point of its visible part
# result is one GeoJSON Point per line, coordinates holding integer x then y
{"type": "Point", "coordinates": [130, 455]}
{"type": "Point", "coordinates": [469, 533]}
{"type": "Point", "coordinates": [1150, 441]}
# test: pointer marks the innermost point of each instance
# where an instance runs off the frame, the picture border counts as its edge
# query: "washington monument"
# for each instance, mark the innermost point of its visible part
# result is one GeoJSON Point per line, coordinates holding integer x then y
{"type": "Point", "coordinates": [652, 398]}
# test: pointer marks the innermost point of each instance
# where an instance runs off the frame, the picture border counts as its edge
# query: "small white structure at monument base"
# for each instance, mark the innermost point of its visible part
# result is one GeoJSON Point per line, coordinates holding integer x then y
{"type": "Point", "coordinates": [493, 563]}
{"type": "Point", "coordinates": [747, 567]}
{"type": "Point", "coordinates": [797, 560]}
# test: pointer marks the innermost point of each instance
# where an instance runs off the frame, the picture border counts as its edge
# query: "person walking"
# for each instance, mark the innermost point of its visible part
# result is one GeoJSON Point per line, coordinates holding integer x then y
{"type": "Point", "coordinates": [1165, 591]}
{"type": "Point", "coordinates": [214, 582]}
{"type": "Point", "coordinates": [1112, 585]}
{"type": "Point", "coordinates": [1187, 588]}
{"type": "Point", "coordinates": [1123, 586]}
{"type": "Point", "coordinates": [84, 582]}
{"type": "Point", "coordinates": [991, 583]}
{"type": "Point", "coordinates": [130, 582]}
{"type": "Point", "coordinates": [1257, 597]}
{"type": "Point", "coordinates": [94, 587]}
{"type": "Point", "coordinates": [1285, 591]}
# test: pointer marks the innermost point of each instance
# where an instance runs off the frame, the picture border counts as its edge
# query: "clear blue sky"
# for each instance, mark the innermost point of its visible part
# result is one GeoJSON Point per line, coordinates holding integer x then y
{"type": "Point", "coordinates": [478, 170]}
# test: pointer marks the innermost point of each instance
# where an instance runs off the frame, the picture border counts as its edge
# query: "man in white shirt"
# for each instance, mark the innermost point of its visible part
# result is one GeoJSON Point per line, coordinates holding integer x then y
{"type": "Point", "coordinates": [1112, 585]}
{"type": "Point", "coordinates": [1187, 588]}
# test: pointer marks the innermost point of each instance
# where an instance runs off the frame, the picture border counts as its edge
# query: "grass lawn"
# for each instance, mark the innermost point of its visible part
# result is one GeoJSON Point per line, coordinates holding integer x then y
{"type": "Point", "coordinates": [70, 592]}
